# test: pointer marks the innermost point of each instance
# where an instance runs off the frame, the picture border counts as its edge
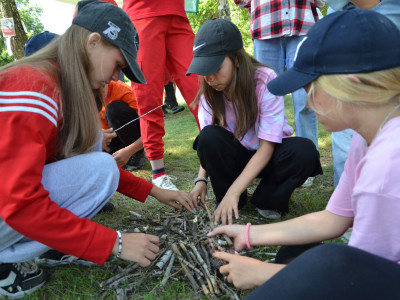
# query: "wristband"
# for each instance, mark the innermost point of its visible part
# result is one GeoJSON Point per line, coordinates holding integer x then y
{"type": "Point", "coordinates": [246, 236]}
{"type": "Point", "coordinates": [200, 179]}
{"type": "Point", "coordinates": [119, 244]}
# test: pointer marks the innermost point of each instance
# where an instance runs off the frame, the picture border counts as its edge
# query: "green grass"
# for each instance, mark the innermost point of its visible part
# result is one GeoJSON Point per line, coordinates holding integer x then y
{"type": "Point", "coordinates": [72, 282]}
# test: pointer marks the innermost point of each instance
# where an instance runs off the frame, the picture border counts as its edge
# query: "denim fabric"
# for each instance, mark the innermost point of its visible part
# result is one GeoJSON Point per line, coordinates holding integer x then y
{"type": "Point", "coordinates": [279, 53]}
{"type": "Point", "coordinates": [340, 148]}
{"type": "Point", "coordinates": [83, 191]}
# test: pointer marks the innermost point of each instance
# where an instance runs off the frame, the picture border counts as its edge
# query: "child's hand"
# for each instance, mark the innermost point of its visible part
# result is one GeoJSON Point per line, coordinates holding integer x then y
{"type": "Point", "coordinates": [121, 157]}
{"type": "Point", "coordinates": [245, 272]}
{"type": "Point", "coordinates": [224, 210]}
{"type": "Point", "coordinates": [237, 232]}
{"type": "Point", "coordinates": [172, 197]}
{"type": "Point", "coordinates": [138, 247]}
{"type": "Point", "coordinates": [199, 191]}
{"type": "Point", "coordinates": [108, 135]}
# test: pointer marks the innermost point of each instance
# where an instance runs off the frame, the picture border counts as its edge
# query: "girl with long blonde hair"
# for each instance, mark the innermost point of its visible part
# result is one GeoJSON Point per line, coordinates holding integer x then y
{"type": "Point", "coordinates": [352, 84]}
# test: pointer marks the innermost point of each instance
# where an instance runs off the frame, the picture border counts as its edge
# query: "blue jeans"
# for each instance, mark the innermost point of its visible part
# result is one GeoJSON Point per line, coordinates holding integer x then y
{"type": "Point", "coordinates": [340, 148]}
{"type": "Point", "coordinates": [279, 53]}
{"type": "Point", "coordinates": [82, 184]}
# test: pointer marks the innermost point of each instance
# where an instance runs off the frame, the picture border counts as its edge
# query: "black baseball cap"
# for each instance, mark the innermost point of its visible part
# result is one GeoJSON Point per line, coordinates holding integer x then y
{"type": "Point", "coordinates": [345, 42]}
{"type": "Point", "coordinates": [113, 24]}
{"type": "Point", "coordinates": [213, 41]}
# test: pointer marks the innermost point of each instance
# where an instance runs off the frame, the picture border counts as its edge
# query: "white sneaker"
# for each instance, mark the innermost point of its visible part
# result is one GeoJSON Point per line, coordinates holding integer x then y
{"type": "Point", "coordinates": [308, 182]}
{"type": "Point", "coordinates": [269, 214]}
{"type": "Point", "coordinates": [164, 182]}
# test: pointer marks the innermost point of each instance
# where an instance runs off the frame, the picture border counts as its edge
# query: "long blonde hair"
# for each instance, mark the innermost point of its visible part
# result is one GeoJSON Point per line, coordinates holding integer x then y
{"type": "Point", "coordinates": [375, 88]}
{"type": "Point", "coordinates": [66, 58]}
{"type": "Point", "coordinates": [241, 92]}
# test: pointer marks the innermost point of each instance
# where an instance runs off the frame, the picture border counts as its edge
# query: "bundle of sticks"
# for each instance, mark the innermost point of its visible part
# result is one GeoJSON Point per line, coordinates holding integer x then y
{"type": "Point", "coordinates": [186, 255]}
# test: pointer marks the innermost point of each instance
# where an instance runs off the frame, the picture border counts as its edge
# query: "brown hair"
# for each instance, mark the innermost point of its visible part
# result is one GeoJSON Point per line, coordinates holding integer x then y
{"type": "Point", "coordinates": [241, 92]}
{"type": "Point", "coordinates": [67, 59]}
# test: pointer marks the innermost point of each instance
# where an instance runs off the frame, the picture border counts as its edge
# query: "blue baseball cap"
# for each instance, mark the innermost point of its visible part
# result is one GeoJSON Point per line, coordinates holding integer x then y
{"type": "Point", "coordinates": [38, 41]}
{"type": "Point", "coordinates": [345, 42]}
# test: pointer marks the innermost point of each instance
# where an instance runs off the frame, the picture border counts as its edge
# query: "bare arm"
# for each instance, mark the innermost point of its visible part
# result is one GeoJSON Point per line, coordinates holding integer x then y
{"type": "Point", "coordinates": [314, 227]}
{"type": "Point", "coordinates": [122, 156]}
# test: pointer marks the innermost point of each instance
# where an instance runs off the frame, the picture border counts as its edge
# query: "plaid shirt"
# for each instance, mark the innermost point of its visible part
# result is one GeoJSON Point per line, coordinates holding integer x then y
{"type": "Point", "coordinates": [277, 18]}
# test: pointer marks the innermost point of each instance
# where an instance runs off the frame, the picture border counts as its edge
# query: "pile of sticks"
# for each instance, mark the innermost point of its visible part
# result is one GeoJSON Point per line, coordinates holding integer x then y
{"type": "Point", "coordinates": [185, 255]}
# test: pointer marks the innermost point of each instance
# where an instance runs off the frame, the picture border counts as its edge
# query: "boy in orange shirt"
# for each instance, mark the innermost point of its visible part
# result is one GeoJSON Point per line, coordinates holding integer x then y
{"type": "Point", "coordinates": [119, 108]}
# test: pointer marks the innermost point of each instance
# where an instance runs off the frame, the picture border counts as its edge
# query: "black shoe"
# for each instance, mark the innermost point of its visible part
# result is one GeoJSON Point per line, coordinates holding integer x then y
{"type": "Point", "coordinates": [177, 108]}
{"type": "Point", "coordinates": [19, 279]}
{"type": "Point", "coordinates": [54, 258]}
{"type": "Point", "coordinates": [108, 207]}
{"type": "Point", "coordinates": [136, 162]}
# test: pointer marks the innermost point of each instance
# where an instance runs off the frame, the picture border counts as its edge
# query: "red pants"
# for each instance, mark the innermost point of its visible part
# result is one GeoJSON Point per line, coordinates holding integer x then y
{"type": "Point", "coordinates": [164, 41]}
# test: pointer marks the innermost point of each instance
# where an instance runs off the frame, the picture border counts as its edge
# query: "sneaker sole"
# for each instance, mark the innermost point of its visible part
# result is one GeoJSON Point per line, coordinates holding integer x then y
{"type": "Point", "coordinates": [22, 293]}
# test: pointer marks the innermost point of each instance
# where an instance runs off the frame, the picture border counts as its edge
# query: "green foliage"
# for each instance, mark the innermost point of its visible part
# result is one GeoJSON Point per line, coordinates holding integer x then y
{"type": "Point", "coordinates": [30, 14]}
{"type": "Point", "coordinates": [208, 9]}
{"type": "Point", "coordinates": [4, 57]}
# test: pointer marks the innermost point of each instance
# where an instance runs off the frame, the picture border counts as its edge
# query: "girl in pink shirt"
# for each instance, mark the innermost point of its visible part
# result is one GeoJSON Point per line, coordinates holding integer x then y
{"type": "Point", "coordinates": [244, 130]}
{"type": "Point", "coordinates": [352, 84]}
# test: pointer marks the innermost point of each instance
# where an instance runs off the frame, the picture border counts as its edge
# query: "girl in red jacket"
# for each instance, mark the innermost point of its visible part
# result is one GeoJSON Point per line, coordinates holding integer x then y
{"type": "Point", "coordinates": [54, 177]}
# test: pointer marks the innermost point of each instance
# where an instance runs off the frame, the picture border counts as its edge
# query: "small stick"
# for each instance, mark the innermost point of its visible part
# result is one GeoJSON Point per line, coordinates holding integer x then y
{"type": "Point", "coordinates": [126, 271]}
{"type": "Point", "coordinates": [164, 259]}
{"type": "Point", "coordinates": [189, 275]}
{"type": "Point", "coordinates": [187, 254]}
{"type": "Point", "coordinates": [228, 291]}
{"type": "Point", "coordinates": [216, 289]}
{"type": "Point", "coordinates": [168, 270]}
{"type": "Point", "coordinates": [188, 264]}
{"type": "Point", "coordinates": [138, 118]}
{"type": "Point", "coordinates": [202, 263]}
{"type": "Point", "coordinates": [209, 216]}
{"type": "Point", "coordinates": [179, 212]}
{"type": "Point", "coordinates": [210, 286]}
{"type": "Point", "coordinates": [204, 288]}
{"type": "Point", "coordinates": [194, 231]}
{"type": "Point", "coordinates": [127, 278]}
{"type": "Point", "coordinates": [205, 253]}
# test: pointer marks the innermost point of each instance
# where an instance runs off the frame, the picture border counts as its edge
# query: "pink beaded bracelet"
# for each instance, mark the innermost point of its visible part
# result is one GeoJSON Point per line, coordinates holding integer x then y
{"type": "Point", "coordinates": [246, 236]}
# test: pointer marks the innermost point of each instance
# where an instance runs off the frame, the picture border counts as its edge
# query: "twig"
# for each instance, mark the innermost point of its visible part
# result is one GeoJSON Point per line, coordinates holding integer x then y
{"type": "Point", "coordinates": [168, 270]}
{"type": "Point", "coordinates": [188, 274]}
{"type": "Point", "coordinates": [126, 271]}
{"type": "Point", "coordinates": [164, 259]}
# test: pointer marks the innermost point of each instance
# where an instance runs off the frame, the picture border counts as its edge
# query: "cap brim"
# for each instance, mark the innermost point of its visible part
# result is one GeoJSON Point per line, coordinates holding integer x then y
{"type": "Point", "coordinates": [290, 81]}
{"type": "Point", "coordinates": [205, 65]}
{"type": "Point", "coordinates": [132, 71]}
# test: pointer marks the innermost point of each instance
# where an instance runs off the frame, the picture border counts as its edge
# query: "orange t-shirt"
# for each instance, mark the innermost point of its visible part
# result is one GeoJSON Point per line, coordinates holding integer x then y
{"type": "Point", "coordinates": [117, 90]}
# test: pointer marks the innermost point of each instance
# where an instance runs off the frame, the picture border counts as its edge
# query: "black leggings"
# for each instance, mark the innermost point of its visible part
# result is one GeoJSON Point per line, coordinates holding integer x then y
{"type": "Point", "coordinates": [224, 158]}
{"type": "Point", "coordinates": [333, 271]}
{"type": "Point", "coordinates": [119, 113]}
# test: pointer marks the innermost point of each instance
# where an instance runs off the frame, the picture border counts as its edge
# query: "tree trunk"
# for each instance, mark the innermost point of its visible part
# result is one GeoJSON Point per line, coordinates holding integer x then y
{"type": "Point", "coordinates": [223, 9]}
{"type": "Point", "coordinates": [9, 10]}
